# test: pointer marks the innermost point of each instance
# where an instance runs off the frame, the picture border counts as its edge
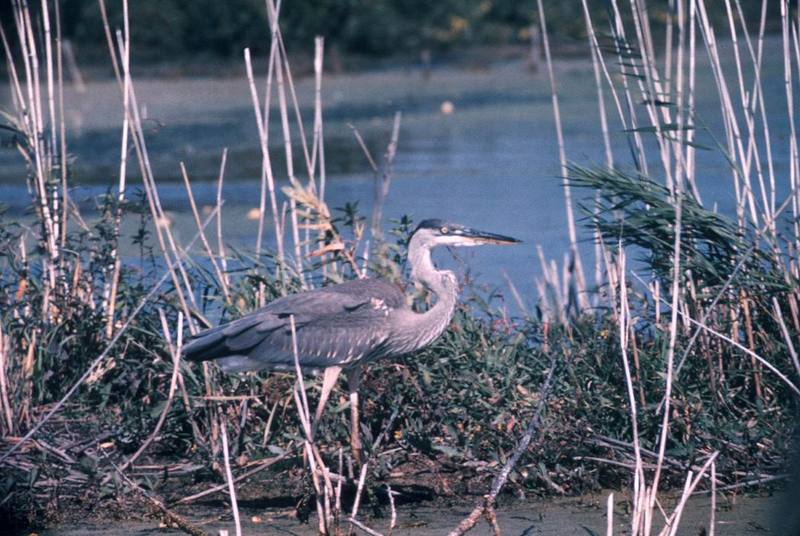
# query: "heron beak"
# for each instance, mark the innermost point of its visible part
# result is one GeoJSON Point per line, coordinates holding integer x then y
{"type": "Point", "coordinates": [483, 237]}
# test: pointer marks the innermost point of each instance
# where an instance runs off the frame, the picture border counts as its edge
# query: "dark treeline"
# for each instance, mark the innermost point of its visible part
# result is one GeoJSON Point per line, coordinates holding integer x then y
{"type": "Point", "coordinates": [170, 30]}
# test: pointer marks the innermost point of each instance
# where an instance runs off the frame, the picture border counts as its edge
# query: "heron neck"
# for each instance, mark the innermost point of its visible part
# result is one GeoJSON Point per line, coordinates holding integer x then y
{"type": "Point", "coordinates": [443, 283]}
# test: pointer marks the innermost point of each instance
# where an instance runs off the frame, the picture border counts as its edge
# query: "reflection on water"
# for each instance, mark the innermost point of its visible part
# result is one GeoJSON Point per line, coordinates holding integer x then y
{"type": "Point", "coordinates": [492, 163]}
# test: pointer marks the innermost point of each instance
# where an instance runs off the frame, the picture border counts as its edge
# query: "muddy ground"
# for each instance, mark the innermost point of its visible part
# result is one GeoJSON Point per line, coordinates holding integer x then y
{"type": "Point", "coordinates": [736, 516]}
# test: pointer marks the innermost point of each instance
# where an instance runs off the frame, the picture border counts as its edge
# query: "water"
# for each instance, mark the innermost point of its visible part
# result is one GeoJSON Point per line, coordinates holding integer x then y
{"type": "Point", "coordinates": [491, 164]}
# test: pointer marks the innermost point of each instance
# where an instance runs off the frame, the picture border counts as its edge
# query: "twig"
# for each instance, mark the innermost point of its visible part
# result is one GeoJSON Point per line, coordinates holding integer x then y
{"type": "Point", "coordinates": [499, 481]}
{"type": "Point", "coordinates": [171, 517]}
{"type": "Point", "coordinates": [363, 527]}
{"type": "Point", "coordinates": [745, 484]}
{"type": "Point", "coordinates": [264, 465]}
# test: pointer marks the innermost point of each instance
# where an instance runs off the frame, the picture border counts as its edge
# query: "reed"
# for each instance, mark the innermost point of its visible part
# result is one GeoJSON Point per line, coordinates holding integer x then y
{"type": "Point", "coordinates": [758, 259]}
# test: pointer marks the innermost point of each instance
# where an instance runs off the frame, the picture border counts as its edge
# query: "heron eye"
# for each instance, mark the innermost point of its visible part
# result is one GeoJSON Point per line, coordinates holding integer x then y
{"type": "Point", "coordinates": [444, 230]}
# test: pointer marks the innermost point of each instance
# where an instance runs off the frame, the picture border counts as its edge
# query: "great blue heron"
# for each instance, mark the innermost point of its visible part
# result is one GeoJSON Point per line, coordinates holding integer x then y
{"type": "Point", "coordinates": [340, 327]}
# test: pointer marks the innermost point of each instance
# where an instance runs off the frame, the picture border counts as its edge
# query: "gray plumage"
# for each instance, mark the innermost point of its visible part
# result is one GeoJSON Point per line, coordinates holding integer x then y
{"type": "Point", "coordinates": [334, 325]}
{"type": "Point", "coordinates": [346, 324]}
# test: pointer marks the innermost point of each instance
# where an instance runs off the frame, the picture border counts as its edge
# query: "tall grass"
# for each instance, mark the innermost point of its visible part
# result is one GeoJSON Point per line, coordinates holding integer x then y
{"type": "Point", "coordinates": [722, 276]}
{"type": "Point", "coordinates": [682, 375]}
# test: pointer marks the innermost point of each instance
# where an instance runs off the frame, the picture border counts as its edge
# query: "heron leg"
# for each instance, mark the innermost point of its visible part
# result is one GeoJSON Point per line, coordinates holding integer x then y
{"type": "Point", "coordinates": [328, 381]}
{"type": "Point", "coordinates": [353, 382]}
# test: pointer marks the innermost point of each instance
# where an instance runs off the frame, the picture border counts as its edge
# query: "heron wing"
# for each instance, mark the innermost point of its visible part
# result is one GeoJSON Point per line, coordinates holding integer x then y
{"type": "Point", "coordinates": [335, 325]}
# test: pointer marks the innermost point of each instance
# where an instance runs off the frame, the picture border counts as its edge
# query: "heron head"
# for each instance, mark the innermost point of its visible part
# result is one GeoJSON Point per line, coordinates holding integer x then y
{"type": "Point", "coordinates": [435, 232]}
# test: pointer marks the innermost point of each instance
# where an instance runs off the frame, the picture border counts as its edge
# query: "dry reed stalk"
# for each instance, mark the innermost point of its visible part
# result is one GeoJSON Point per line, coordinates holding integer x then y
{"type": "Point", "coordinates": [27, 378]}
{"type": "Point", "coordinates": [364, 148]}
{"type": "Point", "coordinates": [734, 143]}
{"type": "Point", "coordinates": [618, 32]}
{"type": "Point", "coordinates": [318, 152]}
{"type": "Point", "coordinates": [41, 141]}
{"type": "Point", "coordinates": [393, 517]}
{"type": "Point", "coordinates": [555, 296]}
{"type": "Point", "coordinates": [268, 426]}
{"type": "Point", "coordinates": [223, 259]}
{"type": "Point", "coordinates": [766, 226]}
{"type": "Point", "coordinates": [203, 240]}
{"type": "Point", "coordinates": [267, 178]}
{"type": "Point", "coordinates": [735, 344]}
{"type": "Point", "coordinates": [99, 359]}
{"type": "Point", "coordinates": [281, 63]}
{"type": "Point", "coordinates": [272, 14]}
{"type": "Point", "coordinates": [794, 154]}
{"type": "Point", "coordinates": [384, 179]}
{"type": "Point", "coordinates": [165, 239]}
{"type": "Point", "coordinates": [318, 147]}
{"type": "Point", "coordinates": [296, 106]}
{"type": "Point", "coordinates": [624, 320]}
{"type": "Point", "coordinates": [5, 404]}
{"type": "Point", "coordinates": [673, 522]}
{"type": "Point", "coordinates": [758, 92]}
{"type": "Point", "coordinates": [644, 495]}
{"type": "Point", "coordinates": [28, 47]}
{"type": "Point", "coordinates": [515, 294]}
{"type": "Point", "coordinates": [596, 55]}
{"type": "Point", "coordinates": [223, 282]}
{"type": "Point", "coordinates": [786, 336]}
{"type": "Point", "coordinates": [668, 43]}
{"type": "Point", "coordinates": [749, 108]}
{"type": "Point", "coordinates": [690, 149]}
{"type": "Point", "coordinates": [680, 171]}
{"type": "Point", "coordinates": [284, 62]}
{"type": "Point", "coordinates": [125, 83]}
{"type": "Point", "coordinates": [123, 170]}
{"type": "Point", "coordinates": [362, 477]}
{"type": "Point", "coordinates": [650, 88]}
{"type": "Point", "coordinates": [229, 476]}
{"type": "Point", "coordinates": [610, 515]}
{"type": "Point", "coordinates": [712, 522]}
{"type": "Point", "coordinates": [52, 198]}
{"type": "Point", "coordinates": [751, 343]}
{"type": "Point", "coordinates": [652, 491]}
{"type": "Point", "coordinates": [338, 506]}
{"type": "Point", "coordinates": [316, 465]}
{"type": "Point", "coordinates": [62, 130]}
{"type": "Point", "coordinates": [583, 303]}
{"type": "Point", "coordinates": [287, 146]}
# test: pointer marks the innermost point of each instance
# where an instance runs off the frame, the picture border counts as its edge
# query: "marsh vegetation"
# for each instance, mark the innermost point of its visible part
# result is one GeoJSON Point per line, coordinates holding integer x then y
{"type": "Point", "coordinates": [677, 370]}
